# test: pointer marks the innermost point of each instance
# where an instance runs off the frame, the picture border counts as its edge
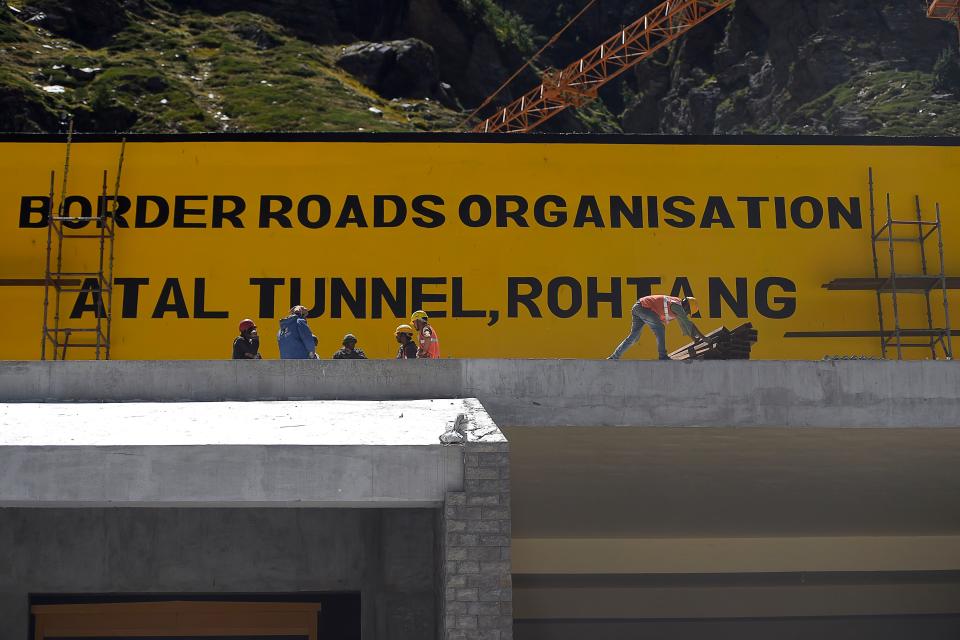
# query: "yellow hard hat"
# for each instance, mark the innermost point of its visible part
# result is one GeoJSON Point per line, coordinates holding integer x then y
{"type": "Point", "coordinates": [404, 328]}
{"type": "Point", "coordinates": [694, 305]}
{"type": "Point", "coordinates": [419, 315]}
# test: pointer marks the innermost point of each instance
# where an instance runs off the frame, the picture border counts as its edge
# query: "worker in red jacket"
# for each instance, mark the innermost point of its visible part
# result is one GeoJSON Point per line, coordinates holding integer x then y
{"type": "Point", "coordinates": [656, 312]}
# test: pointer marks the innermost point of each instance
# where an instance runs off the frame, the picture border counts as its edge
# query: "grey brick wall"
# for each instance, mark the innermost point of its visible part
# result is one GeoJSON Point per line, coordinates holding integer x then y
{"type": "Point", "coordinates": [477, 592]}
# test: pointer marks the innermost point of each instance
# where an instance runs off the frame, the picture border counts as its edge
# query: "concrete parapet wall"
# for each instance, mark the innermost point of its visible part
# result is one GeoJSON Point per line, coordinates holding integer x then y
{"type": "Point", "coordinates": [538, 392]}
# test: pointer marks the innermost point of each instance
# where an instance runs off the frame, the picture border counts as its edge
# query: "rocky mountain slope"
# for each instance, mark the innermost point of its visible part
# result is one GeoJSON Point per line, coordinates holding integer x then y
{"type": "Point", "coordinates": [765, 66]}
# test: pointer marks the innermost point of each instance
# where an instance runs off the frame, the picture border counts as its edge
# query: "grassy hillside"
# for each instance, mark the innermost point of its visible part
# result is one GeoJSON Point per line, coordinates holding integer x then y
{"type": "Point", "coordinates": [765, 66]}
{"type": "Point", "coordinates": [192, 72]}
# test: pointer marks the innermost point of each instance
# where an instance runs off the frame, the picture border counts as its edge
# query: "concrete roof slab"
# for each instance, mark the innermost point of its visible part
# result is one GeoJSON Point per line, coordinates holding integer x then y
{"type": "Point", "coordinates": [329, 423]}
{"type": "Point", "coordinates": [320, 454]}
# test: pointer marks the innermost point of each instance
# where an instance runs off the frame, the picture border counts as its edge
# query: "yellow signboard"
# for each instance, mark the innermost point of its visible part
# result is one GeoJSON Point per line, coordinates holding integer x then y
{"type": "Point", "coordinates": [526, 247]}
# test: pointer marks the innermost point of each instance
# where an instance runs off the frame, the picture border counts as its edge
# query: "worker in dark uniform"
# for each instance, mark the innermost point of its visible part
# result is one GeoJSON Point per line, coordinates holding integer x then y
{"type": "Point", "coordinates": [408, 348]}
{"type": "Point", "coordinates": [349, 350]}
{"type": "Point", "coordinates": [246, 346]}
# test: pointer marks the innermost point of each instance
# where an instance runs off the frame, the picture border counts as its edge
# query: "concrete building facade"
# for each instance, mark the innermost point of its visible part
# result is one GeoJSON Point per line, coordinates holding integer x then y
{"type": "Point", "coordinates": [634, 499]}
{"type": "Point", "coordinates": [356, 506]}
{"type": "Point", "coordinates": [383, 557]}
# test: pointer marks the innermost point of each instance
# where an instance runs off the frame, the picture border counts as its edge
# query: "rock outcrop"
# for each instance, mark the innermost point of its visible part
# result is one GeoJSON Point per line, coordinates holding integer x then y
{"type": "Point", "coordinates": [784, 66]}
{"type": "Point", "coordinates": [394, 69]}
{"type": "Point", "coordinates": [90, 22]}
{"type": "Point", "coordinates": [763, 66]}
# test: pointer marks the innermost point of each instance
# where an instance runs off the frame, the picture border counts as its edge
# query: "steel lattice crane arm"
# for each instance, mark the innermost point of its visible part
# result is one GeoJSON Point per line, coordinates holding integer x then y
{"type": "Point", "coordinates": [579, 82]}
{"type": "Point", "coordinates": [944, 10]}
{"type": "Point", "coordinates": [948, 10]}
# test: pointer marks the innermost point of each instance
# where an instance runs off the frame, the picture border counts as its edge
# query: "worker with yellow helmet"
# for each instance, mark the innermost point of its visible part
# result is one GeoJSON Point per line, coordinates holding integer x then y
{"type": "Point", "coordinates": [408, 348]}
{"type": "Point", "coordinates": [429, 340]}
{"type": "Point", "coordinates": [656, 312]}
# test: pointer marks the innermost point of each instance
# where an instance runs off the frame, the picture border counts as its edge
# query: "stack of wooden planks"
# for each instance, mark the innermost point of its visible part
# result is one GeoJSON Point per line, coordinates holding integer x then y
{"type": "Point", "coordinates": [724, 344]}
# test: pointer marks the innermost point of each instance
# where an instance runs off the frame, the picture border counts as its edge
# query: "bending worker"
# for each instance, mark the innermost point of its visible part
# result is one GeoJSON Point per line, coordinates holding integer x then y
{"type": "Point", "coordinates": [429, 340]}
{"type": "Point", "coordinates": [656, 312]}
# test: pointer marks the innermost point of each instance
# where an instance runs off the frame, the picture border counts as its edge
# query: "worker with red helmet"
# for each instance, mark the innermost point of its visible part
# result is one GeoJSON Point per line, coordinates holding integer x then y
{"type": "Point", "coordinates": [408, 348]}
{"type": "Point", "coordinates": [429, 340]}
{"type": "Point", "coordinates": [656, 312]}
{"type": "Point", "coordinates": [246, 346]}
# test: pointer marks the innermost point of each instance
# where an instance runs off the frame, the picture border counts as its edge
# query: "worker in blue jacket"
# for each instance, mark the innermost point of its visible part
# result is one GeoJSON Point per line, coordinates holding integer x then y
{"type": "Point", "coordinates": [295, 338]}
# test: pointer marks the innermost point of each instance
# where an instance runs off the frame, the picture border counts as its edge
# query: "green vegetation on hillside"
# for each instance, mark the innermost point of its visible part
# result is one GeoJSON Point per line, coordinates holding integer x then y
{"type": "Point", "coordinates": [895, 103]}
{"type": "Point", "coordinates": [509, 28]}
{"type": "Point", "coordinates": [195, 72]}
{"type": "Point", "coordinates": [763, 66]}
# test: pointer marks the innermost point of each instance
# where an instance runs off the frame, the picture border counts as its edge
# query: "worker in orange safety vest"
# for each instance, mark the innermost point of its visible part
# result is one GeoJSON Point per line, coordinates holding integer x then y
{"type": "Point", "coordinates": [656, 312]}
{"type": "Point", "coordinates": [429, 340]}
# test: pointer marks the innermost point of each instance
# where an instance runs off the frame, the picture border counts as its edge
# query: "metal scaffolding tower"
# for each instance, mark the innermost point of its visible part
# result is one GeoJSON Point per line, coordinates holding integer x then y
{"type": "Point", "coordinates": [931, 284]}
{"type": "Point", "coordinates": [922, 283]}
{"type": "Point", "coordinates": [58, 333]}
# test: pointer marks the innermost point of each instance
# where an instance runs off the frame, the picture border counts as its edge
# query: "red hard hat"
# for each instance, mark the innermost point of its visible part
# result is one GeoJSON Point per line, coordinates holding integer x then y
{"type": "Point", "coordinates": [247, 324]}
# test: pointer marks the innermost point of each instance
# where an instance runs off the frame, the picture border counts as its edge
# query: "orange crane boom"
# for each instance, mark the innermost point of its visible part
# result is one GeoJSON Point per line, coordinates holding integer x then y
{"type": "Point", "coordinates": [579, 82]}
{"type": "Point", "coordinates": [948, 10]}
{"type": "Point", "coordinates": [944, 10]}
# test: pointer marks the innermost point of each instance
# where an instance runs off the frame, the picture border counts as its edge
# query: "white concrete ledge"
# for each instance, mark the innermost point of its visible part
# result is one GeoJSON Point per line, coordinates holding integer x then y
{"type": "Point", "coordinates": [310, 454]}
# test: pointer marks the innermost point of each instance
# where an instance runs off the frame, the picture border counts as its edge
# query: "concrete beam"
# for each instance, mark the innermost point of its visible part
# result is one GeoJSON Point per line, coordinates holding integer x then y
{"type": "Point", "coordinates": [592, 556]}
{"type": "Point", "coordinates": [309, 454]}
{"type": "Point", "coordinates": [731, 602]}
{"type": "Point", "coordinates": [727, 578]}
{"type": "Point", "coordinates": [538, 392]}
